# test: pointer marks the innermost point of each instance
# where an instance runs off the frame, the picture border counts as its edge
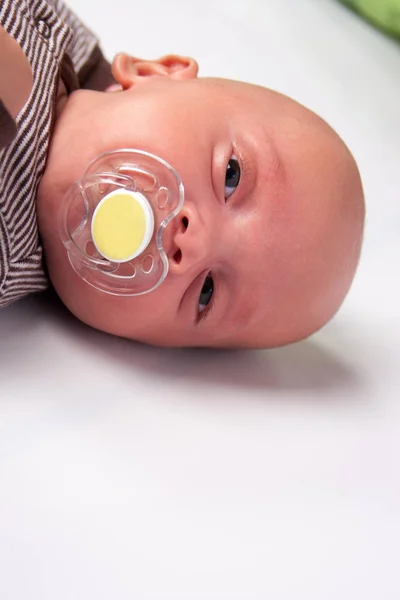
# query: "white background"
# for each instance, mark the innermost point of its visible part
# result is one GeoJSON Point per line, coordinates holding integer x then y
{"type": "Point", "coordinates": [128, 472]}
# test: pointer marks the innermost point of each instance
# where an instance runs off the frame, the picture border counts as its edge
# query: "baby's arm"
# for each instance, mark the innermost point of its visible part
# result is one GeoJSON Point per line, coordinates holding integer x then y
{"type": "Point", "coordinates": [15, 85]}
{"type": "Point", "coordinates": [79, 63]}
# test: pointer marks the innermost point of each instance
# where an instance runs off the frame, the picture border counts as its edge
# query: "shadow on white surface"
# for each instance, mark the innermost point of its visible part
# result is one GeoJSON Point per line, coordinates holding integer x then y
{"type": "Point", "coordinates": [305, 366]}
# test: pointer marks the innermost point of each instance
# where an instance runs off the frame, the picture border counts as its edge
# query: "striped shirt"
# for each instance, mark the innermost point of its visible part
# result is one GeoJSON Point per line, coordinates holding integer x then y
{"type": "Point", "coordinates": [55, 43]}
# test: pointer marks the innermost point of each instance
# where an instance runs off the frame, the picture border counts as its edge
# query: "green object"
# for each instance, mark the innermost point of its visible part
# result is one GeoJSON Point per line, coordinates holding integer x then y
{"type": "Point", "coordinates": [382, 13]}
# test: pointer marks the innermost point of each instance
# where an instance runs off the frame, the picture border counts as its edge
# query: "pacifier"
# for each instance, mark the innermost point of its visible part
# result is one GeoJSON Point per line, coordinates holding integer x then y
{"type": "Point", "coordinates": [114, 220]}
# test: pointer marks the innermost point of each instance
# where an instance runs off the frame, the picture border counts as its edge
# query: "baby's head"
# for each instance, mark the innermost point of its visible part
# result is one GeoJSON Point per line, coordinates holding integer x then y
{"type": "Point", "coordinates": [271, 227]}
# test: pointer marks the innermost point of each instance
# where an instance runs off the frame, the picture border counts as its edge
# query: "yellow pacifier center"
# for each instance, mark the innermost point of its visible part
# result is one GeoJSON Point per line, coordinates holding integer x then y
{"type": "Point", "coordinates": [122, 225]}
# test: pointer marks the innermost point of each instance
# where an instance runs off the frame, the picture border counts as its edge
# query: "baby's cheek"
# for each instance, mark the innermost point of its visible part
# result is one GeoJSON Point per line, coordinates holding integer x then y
{"type": "Point", "coordinates": [148, 314]}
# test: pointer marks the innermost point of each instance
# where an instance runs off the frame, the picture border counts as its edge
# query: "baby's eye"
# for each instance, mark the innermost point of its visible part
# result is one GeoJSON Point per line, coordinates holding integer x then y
{"type": "Point", "coordinates": [206, 293]}
{"type": "Point", "coordinates": [232, 176]}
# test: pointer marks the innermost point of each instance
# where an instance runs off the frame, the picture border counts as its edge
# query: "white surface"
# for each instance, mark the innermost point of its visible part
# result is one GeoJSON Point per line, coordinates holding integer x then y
{"type": "Point", "coordinates": [135, 473]}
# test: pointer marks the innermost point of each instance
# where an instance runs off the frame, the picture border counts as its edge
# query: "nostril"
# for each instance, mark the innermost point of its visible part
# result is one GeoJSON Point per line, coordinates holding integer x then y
{"type": "Point", "coordinates": [177, 257]}
{"type": "Point", "coordinates": [185, 222]}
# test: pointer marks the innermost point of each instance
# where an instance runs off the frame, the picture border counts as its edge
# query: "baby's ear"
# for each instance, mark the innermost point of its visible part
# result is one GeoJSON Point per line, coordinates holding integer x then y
{"type": "Point", "coordinates": [129, 70]}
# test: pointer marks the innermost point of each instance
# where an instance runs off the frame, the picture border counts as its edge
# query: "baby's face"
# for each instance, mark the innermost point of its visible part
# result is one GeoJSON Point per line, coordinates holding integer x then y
{"type": "Point", "coordinates": [270, 232]}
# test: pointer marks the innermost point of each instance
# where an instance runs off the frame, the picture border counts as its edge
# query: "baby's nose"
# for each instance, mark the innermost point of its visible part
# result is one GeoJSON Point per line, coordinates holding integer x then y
{"type": "Point", "coordinates": [192, 242]}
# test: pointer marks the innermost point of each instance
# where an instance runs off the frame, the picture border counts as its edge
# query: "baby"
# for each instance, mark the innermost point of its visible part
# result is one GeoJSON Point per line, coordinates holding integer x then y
{"type": "Point", "coordinates": [270, 232]}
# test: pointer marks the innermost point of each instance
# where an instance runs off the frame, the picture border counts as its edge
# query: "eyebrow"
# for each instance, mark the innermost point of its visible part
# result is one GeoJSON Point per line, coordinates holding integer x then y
{"type": "Point", "coordinates": [235, 311]}
{"type": "Point", "coordinates": [243, 315]}
{"type": "Point", "coordinates": [248, 159]}
{"type": "Point", "coordinates": [231, 311]}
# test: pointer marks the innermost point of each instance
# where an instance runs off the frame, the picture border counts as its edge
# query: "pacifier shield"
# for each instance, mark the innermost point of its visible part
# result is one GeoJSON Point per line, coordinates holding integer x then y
{"type": "Point", "coordinates": [113, 219]}
{"type": "Point", "coordinates": [122, 225]}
